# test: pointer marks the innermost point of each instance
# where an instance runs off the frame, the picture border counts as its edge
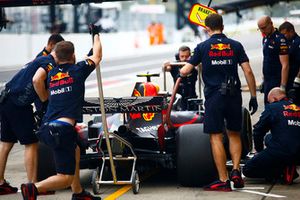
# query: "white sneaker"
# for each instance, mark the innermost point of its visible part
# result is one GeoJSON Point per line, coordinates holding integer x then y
{"type": "Point", "coordinates": [297, 180]}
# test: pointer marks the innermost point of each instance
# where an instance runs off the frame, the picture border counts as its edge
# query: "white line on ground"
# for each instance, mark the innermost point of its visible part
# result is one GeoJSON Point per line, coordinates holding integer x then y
{"type": "Point", "coordinates": [260, 193]}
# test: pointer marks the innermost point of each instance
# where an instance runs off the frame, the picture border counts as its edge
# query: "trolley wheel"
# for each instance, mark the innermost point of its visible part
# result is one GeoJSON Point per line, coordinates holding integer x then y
{"type": "Point", "coordinates": [135, 183]}
{"type": "Point", "coordinates": [95, 179]}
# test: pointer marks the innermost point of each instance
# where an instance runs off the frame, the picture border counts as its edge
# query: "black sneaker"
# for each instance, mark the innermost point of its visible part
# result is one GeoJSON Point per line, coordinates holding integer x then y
{"type": "Point", "coordinates": [236, 178]}
{"type": "Point", "coordinates": [218, 186]}
{"type": "Point", "coordinates": [84, 195]}
{"type": "Point", "coordinates": [29, 191]}
{"type": "Point", "coordinates": [6, 188]}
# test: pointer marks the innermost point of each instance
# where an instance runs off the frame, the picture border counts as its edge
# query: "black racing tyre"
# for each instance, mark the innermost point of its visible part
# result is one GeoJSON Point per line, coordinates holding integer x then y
{"type": "Point", "coordinates": [195, 164]}
{"type": "Point", "coordinates": [135, 182]}
{"type": "Point", "coordinates": [95, 179]}
{"type": "Point", "coordinates": [46, 163]}
{"type": "Point", "coordinates": [246, 135]}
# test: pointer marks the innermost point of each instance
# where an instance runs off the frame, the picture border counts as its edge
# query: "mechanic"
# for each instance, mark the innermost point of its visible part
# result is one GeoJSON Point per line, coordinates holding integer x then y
{"type": "Point", "coordinates": [66, 96]}
{"type": "Point", "coordinates": [275, 57]}
{"type": "Point", "coordinates": [220, 57]}
{"type": "Point", "coordinates": [53, 39]}
{"type": "Point", "coordinates": [187, 87]}
{"type": "Point", "coordinates": [282, 118]}
{"type": "Point", "coordinates": [17, 119]}
{"type": "Point", "coordinates": [288, 30]}
{"type": "Point", "coordinates": [39, 106]}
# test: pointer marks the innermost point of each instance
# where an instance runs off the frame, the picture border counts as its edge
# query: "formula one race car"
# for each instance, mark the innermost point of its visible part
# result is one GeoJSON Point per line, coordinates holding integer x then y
{"type": "Point", "coordinates": [147, 130]}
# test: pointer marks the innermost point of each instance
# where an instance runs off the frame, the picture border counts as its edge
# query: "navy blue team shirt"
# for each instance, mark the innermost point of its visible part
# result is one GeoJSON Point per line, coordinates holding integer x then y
{"type": "Point", "coordinates": [283, 119]}
{"type": "Point", "coordinates": [220, 57]}
{"type": "Point", "coordinates": [44, 52]}
{"type": "Point", "coordinates": [39, 105]}
{"type": "Point", "coordinates": [187, 86]}
{"type": "Point", "coordinates": [273, 46]}
{"type": "Point", "coordinates": [21, 90]}
{"type": "Point", "coordinates": [294, 58]}
{"type": "Point", "coordinates": [66, 88]}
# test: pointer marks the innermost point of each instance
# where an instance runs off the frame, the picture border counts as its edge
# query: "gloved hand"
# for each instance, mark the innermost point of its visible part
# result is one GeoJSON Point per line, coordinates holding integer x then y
{"type": "Point", "coordinates": [90, 52]}
{"type": "Point", "coordinates": [261, 87]}
{"type": "Point", "coordinates": [94, 30]}
{"type": "Point", "coordinates": [253, 105]}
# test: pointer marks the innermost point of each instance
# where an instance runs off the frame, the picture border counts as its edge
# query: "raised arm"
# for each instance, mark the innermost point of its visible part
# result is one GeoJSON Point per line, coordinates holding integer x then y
{"type": "Point", "coordinates": [97, 50]}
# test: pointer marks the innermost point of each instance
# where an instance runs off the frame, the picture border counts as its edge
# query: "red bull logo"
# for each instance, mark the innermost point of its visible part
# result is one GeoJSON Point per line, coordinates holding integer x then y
{"type": "Point", "coordinates": [136, 93]}
{"type": "Point", "coordinates": [59, 76]}
{"type": "Point", "coordinates": [144, 89]}
{"type": "Point", "coordinates": [220, 46]}
{"type": "Point", "coordinates": [292, 107]}
{"type": "Point", "coordinates": [222, 53]}
{"type": "Point", "coordinates": [148, 116]}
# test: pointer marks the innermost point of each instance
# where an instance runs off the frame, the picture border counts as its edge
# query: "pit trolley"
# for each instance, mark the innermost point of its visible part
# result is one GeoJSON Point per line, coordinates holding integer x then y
{"type": "Point", "coordinates": [125, 112]}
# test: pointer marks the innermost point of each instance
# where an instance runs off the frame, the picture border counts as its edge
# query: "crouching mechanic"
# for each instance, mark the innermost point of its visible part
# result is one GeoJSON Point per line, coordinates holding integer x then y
{"type": "Point", "coordinates": [220, 57]}
{"type": "Point", "coordinates": [282, 118]}
{"type": "Point", "coordinates": [66, 97]}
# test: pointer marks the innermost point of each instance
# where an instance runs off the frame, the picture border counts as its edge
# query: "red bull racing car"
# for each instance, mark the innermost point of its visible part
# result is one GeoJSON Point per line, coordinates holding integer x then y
{"type": "Point", "coordinates": [148, 130]}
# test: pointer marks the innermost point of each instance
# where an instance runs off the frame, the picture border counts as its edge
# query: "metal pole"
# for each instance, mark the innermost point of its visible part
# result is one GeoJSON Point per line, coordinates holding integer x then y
{"type": "Point", "coordinates": [209, 3]}
{"type": "Point", "coordinates": [104, 123]}
{"type": "Point", "coordinates": [199, 81]}
{"type": "Point", "coordinates": [52, 15]}
{"type": "Point", "coordinates": [165, 78]}
{"type": "Point", "coordinates": [75, 18]}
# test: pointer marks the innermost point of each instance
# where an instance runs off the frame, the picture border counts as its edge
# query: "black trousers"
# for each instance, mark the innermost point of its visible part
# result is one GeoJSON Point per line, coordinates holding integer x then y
{"type": "Point", "coordinates": [267, 164]}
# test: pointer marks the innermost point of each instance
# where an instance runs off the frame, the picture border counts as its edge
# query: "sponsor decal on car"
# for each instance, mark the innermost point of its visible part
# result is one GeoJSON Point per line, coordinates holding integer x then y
{"type": "Point", "coordinates": [147, 128]}
{"type": "Point", "coordinates": [148, 116]}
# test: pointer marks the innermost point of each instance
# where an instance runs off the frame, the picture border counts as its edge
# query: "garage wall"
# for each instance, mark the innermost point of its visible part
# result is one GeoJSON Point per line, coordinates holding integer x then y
{"type": "Point", "coordinates": [16, 50]}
